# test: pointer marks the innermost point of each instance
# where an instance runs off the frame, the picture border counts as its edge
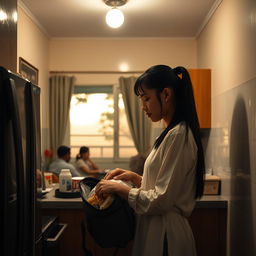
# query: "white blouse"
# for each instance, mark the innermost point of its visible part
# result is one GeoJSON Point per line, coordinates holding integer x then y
{"type": "Point", "coordinates": [166, 197]}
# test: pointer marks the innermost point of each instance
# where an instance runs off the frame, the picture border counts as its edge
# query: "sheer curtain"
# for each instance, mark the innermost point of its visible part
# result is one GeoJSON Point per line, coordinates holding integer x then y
{"type": "Point", "coordinates": [61, 88]}
{"type": "Point", "coordinates": [139, 124]}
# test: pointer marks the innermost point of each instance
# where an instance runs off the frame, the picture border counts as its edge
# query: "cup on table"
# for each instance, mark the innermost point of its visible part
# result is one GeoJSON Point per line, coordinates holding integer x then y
{"type": "Point", "coordinates": [75, 183]}
{"type": "Point", "coordinates": [48, 179]}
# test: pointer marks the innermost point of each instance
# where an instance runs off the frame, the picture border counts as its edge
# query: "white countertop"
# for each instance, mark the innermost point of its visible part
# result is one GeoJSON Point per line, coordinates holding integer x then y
{"type": "Point", "coordinates": [52, 202]}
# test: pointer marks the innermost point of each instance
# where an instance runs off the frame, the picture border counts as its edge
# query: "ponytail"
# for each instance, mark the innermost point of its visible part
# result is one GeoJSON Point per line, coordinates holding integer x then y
{"type": "Point", "coordinates": [190, 115]}
{"type": "Point", "coordinates": [78, 156]}
{"type": "Point", "coordinates": [186, 108]}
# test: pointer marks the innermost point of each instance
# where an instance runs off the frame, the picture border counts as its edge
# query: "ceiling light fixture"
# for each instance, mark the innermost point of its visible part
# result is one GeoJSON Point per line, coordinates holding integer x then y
{"type": "Point", "coordinates": [115, 17]}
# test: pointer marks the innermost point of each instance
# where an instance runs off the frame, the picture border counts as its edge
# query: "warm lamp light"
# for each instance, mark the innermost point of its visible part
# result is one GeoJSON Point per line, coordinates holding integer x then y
{"type": "Point", "coordinates": [115, 18]}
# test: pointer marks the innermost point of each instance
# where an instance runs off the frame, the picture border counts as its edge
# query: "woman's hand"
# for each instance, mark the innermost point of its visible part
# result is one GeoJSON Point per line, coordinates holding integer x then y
{"type": "Point", "coordinates": [124, 175]}
{"type": "Point", "coordinates": [105, 187]}
{"type": "Point", "coordinates": [113, 173]}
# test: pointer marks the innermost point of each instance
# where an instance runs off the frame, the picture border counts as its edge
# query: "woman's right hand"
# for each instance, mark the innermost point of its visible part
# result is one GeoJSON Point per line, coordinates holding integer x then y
{"type": "Point", "coordinates": [113, 174]}
{"type": "Point", "coordinates": [124, 175]}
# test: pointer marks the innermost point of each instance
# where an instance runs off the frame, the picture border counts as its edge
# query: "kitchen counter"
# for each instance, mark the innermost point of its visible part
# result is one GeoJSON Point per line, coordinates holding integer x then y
{"type": "Point", "coordinates": [52, 202]}
{"type": "Point", "coordinates": [209, 217]}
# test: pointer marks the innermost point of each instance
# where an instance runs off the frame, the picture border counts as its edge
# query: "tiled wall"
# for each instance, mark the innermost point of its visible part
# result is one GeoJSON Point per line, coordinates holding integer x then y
{"type": "Point", "coordinates": [231, 152]}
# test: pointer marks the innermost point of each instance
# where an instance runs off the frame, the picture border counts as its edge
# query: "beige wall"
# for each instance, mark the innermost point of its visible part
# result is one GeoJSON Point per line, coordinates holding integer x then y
{"type": "Point", "coordinates": [227, 45]}
{"type": "Point", "coordinates": [33, 46]}
{"type": "Point", "coordinates": [109, 54]}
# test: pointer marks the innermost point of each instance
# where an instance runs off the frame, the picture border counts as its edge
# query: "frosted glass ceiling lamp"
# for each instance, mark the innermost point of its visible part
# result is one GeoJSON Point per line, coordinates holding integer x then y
{"type": "Point", "coordinates": [115, 17]}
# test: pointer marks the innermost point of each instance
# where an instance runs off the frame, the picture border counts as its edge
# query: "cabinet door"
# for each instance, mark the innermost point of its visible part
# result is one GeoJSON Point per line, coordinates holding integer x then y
{"type": "Point", "coordinates": [201, 80]}
{"type": "Point", "coordinates": [209, 226]}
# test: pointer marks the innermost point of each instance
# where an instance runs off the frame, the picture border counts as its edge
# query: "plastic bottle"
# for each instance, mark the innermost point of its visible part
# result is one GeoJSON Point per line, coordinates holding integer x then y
{"type": "Point", "coordinates": [65, 180]}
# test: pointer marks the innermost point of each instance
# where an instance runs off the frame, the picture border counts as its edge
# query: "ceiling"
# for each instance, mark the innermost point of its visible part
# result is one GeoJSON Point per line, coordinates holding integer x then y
{"type": "Point", "coordinates": [143, 18]}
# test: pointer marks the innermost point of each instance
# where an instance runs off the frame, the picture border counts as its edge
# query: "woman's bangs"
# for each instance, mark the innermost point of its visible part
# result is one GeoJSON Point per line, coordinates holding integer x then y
{"type": "Point", "coordinates": [138, 89]}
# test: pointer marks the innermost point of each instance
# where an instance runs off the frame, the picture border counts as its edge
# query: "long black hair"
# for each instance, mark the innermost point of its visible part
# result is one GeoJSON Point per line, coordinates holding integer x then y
{"type": "Point", "coordinates": [161, 76]}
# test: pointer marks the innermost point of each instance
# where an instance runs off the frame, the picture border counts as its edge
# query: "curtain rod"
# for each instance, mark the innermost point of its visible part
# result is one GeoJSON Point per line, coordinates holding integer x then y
{"type": "Point", "coordinates": [96, 72]}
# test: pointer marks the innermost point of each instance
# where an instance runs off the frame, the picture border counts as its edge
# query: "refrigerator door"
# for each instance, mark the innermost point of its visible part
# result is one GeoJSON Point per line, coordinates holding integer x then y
{"type": "Point", "coordinates": [20, 137]}
{"type": "Point", "coordinates": [34, 155]}
{"type": "Point", "coordinates": [24, 106]}
{"type": "Point", "coordinates": [11, 169]}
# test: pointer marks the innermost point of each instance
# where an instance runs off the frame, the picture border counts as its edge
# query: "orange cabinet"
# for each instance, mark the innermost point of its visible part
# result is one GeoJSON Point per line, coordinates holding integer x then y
{"type": "Point", "coordinates": [201, 80]}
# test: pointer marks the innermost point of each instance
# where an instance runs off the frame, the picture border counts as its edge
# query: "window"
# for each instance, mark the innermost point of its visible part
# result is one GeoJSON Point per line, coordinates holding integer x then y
{"type": "Point", "coordinates": [98, 120]}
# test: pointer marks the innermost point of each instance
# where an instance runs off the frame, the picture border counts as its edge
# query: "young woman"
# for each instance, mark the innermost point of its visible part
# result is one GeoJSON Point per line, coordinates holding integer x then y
{"type": "Point", "coordinates": [85, 165]}
{"type": "Point", "coordinates": [165, 196]}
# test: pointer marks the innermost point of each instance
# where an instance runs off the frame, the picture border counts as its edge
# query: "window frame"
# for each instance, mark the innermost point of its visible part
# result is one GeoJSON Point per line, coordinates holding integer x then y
{"type": "Point", "coordinates": [116, 91]}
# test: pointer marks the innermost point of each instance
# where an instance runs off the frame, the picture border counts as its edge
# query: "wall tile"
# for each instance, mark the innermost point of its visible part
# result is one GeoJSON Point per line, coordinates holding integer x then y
{"type": "Point", "coordinates": [231, 152]}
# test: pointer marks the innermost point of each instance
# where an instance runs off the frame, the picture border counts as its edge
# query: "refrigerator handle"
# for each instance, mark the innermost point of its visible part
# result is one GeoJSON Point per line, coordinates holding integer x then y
{"type": "Point", "coordinates": [18, 159]}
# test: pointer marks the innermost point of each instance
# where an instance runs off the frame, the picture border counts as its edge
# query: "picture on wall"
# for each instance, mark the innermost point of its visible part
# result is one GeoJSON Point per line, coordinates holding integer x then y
{"type": "Point", "coordinates": [28, 71]}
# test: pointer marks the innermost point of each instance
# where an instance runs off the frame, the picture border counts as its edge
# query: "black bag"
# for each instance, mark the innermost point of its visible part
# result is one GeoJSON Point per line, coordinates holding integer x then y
{"type": "Point", "coordinates": [111, 227]}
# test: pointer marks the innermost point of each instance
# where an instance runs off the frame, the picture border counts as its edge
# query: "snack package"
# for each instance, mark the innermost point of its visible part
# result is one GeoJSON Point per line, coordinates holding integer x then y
{"type": "Point", "coordinates": [100, 204]}
{"type": "Point", "coordinates": [105, 203]}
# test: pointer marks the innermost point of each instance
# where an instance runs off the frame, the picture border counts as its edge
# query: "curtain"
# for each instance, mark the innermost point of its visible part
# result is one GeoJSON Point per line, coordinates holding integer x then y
{"type": "Point", "coordinates": [139, 124]}
{"type": "Point", "coordinates": [61, 88]}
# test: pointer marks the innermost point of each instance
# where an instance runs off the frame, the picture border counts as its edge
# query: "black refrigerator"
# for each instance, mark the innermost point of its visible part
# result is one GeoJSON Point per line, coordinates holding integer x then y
{"type": "Point", "coordinates": [20, 162]}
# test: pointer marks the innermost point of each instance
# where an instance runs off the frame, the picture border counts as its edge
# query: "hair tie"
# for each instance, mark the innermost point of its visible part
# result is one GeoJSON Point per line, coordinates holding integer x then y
{"type": "Point", "coordinates": [178, 70]}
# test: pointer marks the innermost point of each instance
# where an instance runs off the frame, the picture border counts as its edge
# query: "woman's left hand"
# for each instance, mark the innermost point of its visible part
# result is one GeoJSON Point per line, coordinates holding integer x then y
{"type": "Point", "coordinates": [105, 187]}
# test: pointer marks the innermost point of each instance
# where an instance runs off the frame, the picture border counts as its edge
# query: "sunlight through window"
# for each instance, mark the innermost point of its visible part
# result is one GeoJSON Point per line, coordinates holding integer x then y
{"type": "Point", "coordinates": [92, 117]}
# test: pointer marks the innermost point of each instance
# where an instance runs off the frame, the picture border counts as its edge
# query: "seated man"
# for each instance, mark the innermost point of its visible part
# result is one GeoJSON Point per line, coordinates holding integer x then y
{"type": "Point", "coordinates": [62, 162]}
